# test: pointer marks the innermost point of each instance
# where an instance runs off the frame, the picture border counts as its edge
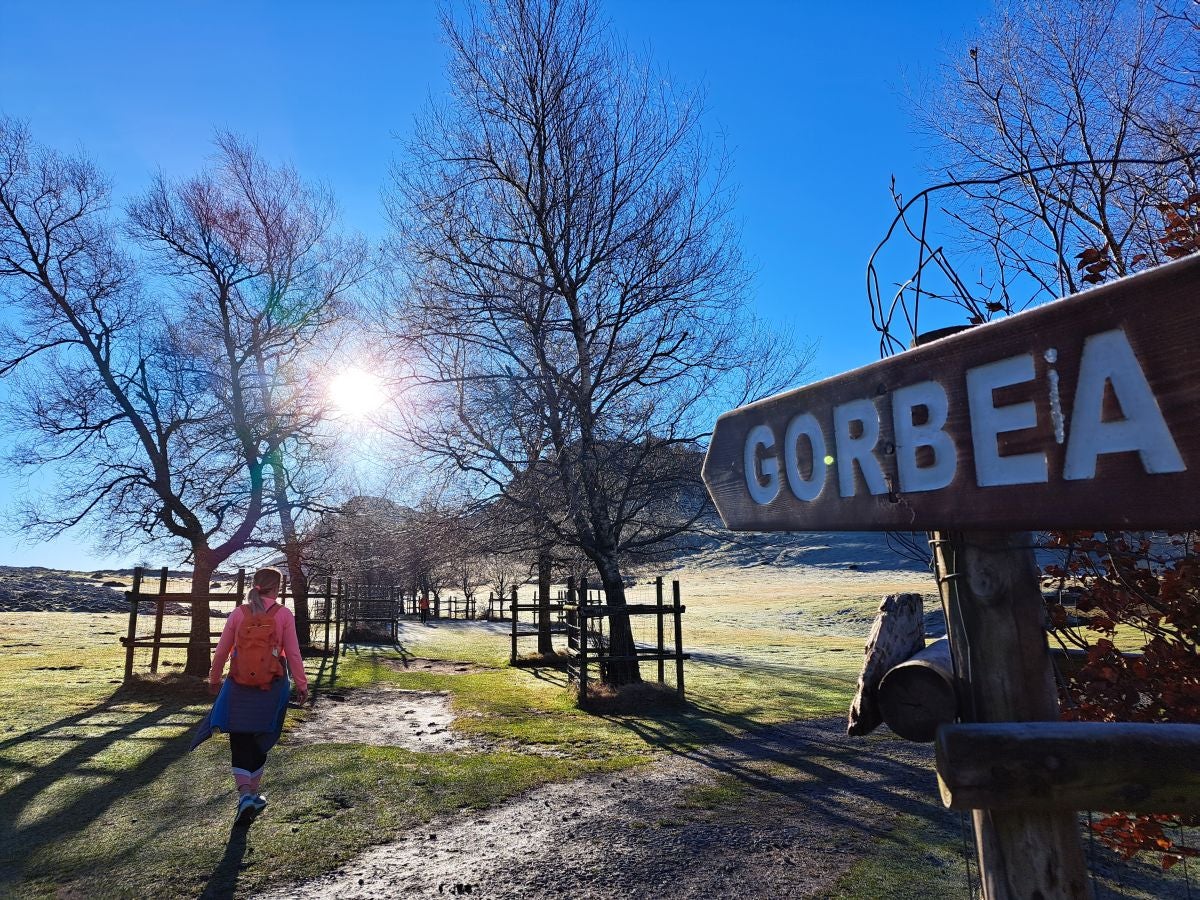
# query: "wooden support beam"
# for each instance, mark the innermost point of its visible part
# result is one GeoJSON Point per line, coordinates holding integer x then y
{"type": "Point", "coordinates": [1132, 767]}
{"type": "Point", "coordinates": [583, 642]}
{"type": "Point", "coordinates": [328, 609]}
{"type": "Point", "coordinates": [994, 616]}
{"type": "Point", "coordinates": [512, 657]}
{"type": "Point", "coordinates": [658, 598]}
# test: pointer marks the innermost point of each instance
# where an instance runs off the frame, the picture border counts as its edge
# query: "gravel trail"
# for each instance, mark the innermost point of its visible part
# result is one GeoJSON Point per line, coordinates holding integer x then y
{"type": "Point", "coordinates": [815, 800]}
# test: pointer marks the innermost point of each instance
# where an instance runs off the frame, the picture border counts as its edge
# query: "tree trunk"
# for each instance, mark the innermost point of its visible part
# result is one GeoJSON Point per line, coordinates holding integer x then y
{"type": "Point", "coordinates": [545, 642]}
{"type": "Point", "coordinates": [298, 583]}
{"type": "Point", "coordinates": [620, 634]}
{"type": "Point", "coordinates": [292, 550]}
{"type": "Point", "coordinates": [199, 659]}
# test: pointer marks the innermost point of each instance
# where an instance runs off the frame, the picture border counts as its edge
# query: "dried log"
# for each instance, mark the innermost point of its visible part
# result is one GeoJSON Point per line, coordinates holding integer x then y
{"type": "Point", "coordinates": [917, 696]}
{"type": "Point", "coordinates": [897, 633]}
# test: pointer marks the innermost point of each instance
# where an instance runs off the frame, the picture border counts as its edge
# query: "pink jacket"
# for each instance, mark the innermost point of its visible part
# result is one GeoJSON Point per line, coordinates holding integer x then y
{"type": "Point", "coordinates": [285, 636]}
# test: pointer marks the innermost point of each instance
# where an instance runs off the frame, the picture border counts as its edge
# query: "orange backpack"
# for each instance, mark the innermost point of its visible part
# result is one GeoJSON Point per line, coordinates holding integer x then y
{"type": "Point", "coordinates": [255, 653]}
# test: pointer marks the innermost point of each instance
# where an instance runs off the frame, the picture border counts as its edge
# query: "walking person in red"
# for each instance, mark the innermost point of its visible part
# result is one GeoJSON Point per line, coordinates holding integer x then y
{"type": "Point", "coordinates": [260, 640]}
{"type": "Point", "coordinates": [424, 606]}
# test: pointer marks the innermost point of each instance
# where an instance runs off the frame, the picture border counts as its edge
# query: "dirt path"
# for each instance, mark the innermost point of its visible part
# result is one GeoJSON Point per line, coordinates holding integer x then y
{"type": "Point", "coordinates": [813, 801]}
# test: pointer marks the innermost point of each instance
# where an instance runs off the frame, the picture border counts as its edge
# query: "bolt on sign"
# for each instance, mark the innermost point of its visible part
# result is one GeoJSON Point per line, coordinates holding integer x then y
{"type": "Point", "coordinates": [1083, 413]}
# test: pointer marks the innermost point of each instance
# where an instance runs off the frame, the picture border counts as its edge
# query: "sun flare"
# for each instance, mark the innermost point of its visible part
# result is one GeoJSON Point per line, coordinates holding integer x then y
{"type": "Point", "coordinates": [355, 393]}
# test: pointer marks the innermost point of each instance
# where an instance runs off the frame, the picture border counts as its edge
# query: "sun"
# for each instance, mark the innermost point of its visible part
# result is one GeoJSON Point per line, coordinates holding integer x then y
{"type": "Point", "coordinates": [355, 393]}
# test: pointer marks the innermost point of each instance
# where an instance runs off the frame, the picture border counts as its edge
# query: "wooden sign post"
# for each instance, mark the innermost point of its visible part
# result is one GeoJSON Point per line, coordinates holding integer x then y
{"type": "Point", "coordinates": [1081, 414]}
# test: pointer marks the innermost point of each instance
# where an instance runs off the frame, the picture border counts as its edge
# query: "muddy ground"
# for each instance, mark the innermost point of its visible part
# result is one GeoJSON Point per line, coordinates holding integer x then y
{"type": "Point", "coordinates": [813, 802]}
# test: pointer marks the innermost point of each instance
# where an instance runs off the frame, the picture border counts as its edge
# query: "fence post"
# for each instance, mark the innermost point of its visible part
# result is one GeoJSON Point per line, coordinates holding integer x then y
{"type": "Point", "coordinates": [328, 609]}
{"type": "Point", "coordinates": [339, 628]}
{"type": "Point", "coordinates": [658, 598]}
{"type": "Point", "coordinates": [572, 646]}
{"type": "Point", "coordinates": [241, 587]}
{"type": "Point", "coordinates": [158, 617]}
{"type": "Point", "coordinates": [133, 611]}
{"type": "Point", "coordinates": [583, 641]}
{"type": "Point", "coordinates": [512, 658]}
{"type": "Point", "coordinates": [994, 615]}
{"type": "Point", "coordinates": [678, 637]}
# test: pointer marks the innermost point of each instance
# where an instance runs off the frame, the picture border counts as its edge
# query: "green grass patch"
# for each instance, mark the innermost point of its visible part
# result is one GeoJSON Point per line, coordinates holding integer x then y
{"type": "Point", "coordinates": [724, 791]}
{"type": "Point", "coordinates": [915, 860]}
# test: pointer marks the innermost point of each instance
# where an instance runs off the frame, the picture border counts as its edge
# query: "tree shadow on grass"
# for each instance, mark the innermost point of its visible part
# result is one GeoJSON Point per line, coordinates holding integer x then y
{"type": "Point", "coordinates": [810, 766]}
{"type": "Point", "coordinates": [160, 704]}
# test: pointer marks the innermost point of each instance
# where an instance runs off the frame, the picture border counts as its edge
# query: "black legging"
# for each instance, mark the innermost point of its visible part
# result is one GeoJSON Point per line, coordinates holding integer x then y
{"type": "Point", "coordinates": [244, 751]}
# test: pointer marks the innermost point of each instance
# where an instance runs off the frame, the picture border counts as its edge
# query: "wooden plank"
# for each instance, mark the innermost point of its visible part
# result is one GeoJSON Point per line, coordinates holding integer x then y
{"type": "Point", "coordinates": [1035, 421]}
{"type": "Point", "coordinates": [603, 611]}
{"type": "Point", "coordinates": [649, 656]}
{"type": "Point", "coordinates": [1132, 767]}
{"type": "Point", "coordinates": [179, 597]}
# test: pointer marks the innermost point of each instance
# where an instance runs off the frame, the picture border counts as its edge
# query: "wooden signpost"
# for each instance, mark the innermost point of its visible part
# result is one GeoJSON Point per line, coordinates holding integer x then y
{"type": "Point", "coordinates": [1084, 413]}
{"type": "Point", "coordinates": [1081, 414]}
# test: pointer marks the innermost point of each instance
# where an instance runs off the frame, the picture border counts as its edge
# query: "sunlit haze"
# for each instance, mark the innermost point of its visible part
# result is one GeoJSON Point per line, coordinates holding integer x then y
{"type": "Point", "coordinates": [355, 393]}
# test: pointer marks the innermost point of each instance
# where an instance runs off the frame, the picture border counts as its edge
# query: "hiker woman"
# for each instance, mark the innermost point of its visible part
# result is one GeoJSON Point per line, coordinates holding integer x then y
{"type": "Point", "coordinates": [251, 704]}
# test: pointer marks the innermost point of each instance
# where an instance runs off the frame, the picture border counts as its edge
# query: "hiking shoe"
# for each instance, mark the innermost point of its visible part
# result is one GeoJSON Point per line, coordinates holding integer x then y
{"type": "Point", "coordinates": [260, 802]}
{"type": "Point", "coordinates": [245, 810]}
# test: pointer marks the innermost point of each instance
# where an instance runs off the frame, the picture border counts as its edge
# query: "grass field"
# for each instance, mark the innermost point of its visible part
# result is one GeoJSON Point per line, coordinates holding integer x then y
{"type": "Point", "coordinates": [100, 798]}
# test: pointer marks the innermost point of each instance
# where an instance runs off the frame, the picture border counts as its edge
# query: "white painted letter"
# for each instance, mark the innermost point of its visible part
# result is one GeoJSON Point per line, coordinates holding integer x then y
{"type": "Point", "coordinates": [805, 425]}
{"type": "Point", "coordinates": [762, 493]}
{"type": "Point", "coordinates": [911, 437]}
{"type": "Point", "coordinates": [988, 421]}
{"type": "Point", "coordinates": [861, 448]}
{"type": "Point", "coordinates": [1107, 357]}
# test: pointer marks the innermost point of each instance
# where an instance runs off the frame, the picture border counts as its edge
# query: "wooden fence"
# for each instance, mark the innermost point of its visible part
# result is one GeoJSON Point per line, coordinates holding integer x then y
{"type": "Point", "coordinates": [558, 624]}
{"type": "Point", "coordinates": [158, 640]}
{"type": "Point", "coordinates": [588, 645]}
{"type": "Point", "coordinates": [334, 607]}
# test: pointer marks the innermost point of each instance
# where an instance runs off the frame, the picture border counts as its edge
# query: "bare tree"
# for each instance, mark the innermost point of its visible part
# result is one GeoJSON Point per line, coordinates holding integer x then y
{"type": "Point", "coordinates": [306, 272]}
{"type": "Point", "coordinates": [503, 571]}
{"type": "Point", "coordinates": [138, 380]}
{"type": "Point", "coordinates": [573, 290]}
{"type": "Point", "coordinates": [1065, 133]}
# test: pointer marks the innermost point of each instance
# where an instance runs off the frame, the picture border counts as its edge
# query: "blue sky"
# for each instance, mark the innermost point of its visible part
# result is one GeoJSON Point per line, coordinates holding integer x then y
{"type": "Point", "coordinates": [809, 100]}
